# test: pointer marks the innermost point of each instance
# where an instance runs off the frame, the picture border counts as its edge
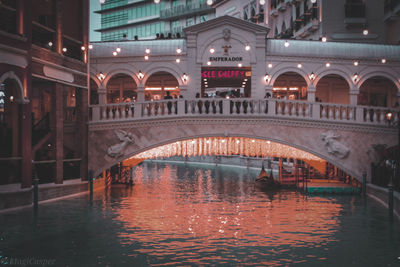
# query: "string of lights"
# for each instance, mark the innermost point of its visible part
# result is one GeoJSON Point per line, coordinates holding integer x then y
{"type": "Point", "coordinates": [243, 146]}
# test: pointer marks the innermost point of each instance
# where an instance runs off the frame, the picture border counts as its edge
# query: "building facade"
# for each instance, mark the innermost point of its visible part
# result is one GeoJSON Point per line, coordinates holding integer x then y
{"type": "Point", "coordinates": [249, 66]}
{"type": "Point", "coordinates": [344, 21]}
{"type": "Point", "coordinates": [122, 19]}
{"type": "Point", "coordinates": [43, 95]}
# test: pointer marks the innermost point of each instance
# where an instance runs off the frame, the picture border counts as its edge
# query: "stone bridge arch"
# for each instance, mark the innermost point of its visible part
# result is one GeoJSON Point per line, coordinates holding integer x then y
{"type": "Point", "coordinates": [304, 136]}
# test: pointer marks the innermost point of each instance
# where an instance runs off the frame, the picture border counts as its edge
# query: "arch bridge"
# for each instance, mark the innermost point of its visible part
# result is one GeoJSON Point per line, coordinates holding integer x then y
{"type": "Point", "coordinates": [344, 135]}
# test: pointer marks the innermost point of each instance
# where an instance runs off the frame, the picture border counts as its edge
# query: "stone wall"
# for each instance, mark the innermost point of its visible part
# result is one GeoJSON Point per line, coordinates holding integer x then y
{"type": "Point", "coordinates": [380, 194]}
{"type": "Point", "coordinates": [24, 197]}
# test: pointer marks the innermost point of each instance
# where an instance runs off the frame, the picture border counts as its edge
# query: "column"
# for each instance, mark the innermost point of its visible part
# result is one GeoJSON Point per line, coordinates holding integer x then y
{"type": "Point", "coordinates": [82, 118]}
{"type": "Point", "coordinates": [26, 145]}
{"type": "Point", "coordinates": [311, 93]}
{"type": "Point", "coordinates": [26, 109]}
{"type": "Point", "coordinates": [102, 91]}
{"type": "Point", "coordinates": [353, 94]}
{"type": "Point", "coordinates": [58, 17]}
{"type": "Point", "coordinates": [58, 104]}
{"type": "Point", "coordinates": [140, 93]}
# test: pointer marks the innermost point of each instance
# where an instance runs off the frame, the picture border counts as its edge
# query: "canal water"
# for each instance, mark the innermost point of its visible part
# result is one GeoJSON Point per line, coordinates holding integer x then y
{"type": "Point", "coordinates": [188, 214]}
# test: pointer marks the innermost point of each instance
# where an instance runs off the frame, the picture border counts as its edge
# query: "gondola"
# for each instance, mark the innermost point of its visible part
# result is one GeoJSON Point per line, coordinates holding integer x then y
{"type": "Point", "coordinates": [264, 181]}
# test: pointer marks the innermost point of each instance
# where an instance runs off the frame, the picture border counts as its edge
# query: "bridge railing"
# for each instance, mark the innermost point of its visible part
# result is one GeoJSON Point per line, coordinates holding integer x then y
{"type": "Point", "coordinates": [269, 107]}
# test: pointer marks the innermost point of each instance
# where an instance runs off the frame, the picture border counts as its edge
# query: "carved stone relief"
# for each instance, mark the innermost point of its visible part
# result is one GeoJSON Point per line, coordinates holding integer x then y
{"type": "Point", "coordinates": [333, 146]}
{"type": "Point", "coordinates": [118, 150]}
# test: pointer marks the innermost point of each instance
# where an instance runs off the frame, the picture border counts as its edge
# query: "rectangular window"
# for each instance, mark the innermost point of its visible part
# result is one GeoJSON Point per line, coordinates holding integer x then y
{"type": "Point", "coordinates": [175, 3]}
{"type": "Point", "coordinates": [203, 18]}
{"type": "Point", "coordinates": [190, 22]}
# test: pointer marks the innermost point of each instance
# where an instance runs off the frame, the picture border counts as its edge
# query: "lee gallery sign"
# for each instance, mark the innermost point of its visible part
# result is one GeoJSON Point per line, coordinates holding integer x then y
{"type": "Point", "coordinates": [230, 74]}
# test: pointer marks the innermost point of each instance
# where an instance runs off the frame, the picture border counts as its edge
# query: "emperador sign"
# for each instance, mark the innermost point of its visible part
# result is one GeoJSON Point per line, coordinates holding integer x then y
{"type": "Point", "coordinates": [225, 59]}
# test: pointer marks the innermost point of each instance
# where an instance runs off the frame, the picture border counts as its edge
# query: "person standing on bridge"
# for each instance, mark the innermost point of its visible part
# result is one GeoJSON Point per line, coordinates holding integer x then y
{"type": "Point", "coordinates": [169, 103]}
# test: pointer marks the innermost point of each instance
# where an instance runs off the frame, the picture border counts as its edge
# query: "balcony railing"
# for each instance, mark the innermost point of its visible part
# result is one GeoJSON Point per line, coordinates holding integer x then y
{"type": "Point", "coordinates": [8, 19]}
{"type": "Point", "coordinates": [184, 10]}
{"type": "Point", "coordinates": [43, 36]}
{"type": "Point", "coordinates": [354, 10]}
{"type": "Point", "coordinates": [243, 107]}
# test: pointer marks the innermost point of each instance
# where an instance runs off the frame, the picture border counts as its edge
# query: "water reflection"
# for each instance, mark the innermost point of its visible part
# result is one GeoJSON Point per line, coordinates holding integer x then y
{"type": "Point", "coordinates": [195, 213]}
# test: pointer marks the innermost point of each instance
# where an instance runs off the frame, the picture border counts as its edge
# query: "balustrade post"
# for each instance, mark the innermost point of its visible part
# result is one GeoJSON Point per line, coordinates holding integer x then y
{"type": "Point", "coordinates": [293, 110]}
{"type": "Point", "coordinates": [359, 114]}
{"type": "Point", "coordinates": [129, 114]}
{"type": "Point", "coordinates": [138, 112]}
{"type": "Point", "coordinates": [279, 110]}
{"type": "Point", "coordinates": [104, 112]}
{"type": "Point", "coordinates": [226, 107]}
{"type": "Point", "coordinates": [337, 113]}
{"type": "Point", "coordinates": [316, 109]}
{"type": "Point", "coordinates": [271, 106]}
{"type": "Point", "coordinates": [181, 107]}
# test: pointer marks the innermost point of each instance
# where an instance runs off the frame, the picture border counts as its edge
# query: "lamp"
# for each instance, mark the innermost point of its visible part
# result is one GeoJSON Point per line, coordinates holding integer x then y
{"type": "Point", "coordinates": [356, 78]}
{"type": "Point", "coordinates": [267, 78]}
{"type": "Point", "coordinates": [312, 76]}
{"type": "Point", "coordinates": [140, 75]}
{"type": "Point", "coordinates": [389, 116]}
{"type": "Point", "coordinates": [101, 76]}
{"type": "Point", "coordinates": [185, 77]}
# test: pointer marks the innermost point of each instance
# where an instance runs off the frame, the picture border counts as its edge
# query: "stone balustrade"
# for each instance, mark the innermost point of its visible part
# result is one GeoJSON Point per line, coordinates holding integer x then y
{"type": "Point", "coordinates": [243, 107]}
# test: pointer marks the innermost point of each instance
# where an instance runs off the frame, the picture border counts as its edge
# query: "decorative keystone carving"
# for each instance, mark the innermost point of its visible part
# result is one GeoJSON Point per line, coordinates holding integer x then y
{"type": "Point", "coordinates": [226, 33]}
{"type": "Point", "coordinates": [118, 150]}
{"type": "Point", "coordinates": [333, 146]}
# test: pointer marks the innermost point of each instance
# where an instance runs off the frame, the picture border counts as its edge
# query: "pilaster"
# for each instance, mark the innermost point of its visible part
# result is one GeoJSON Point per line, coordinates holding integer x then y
{"type": "Point", "coordinates": [59, 131]}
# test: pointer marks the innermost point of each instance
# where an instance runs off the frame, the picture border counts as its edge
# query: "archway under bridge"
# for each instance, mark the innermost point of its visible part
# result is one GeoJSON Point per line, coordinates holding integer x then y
{"type": "Point", "coordinates": [229, 146]}
{"type": "Point", "coordinates": [248, 147]}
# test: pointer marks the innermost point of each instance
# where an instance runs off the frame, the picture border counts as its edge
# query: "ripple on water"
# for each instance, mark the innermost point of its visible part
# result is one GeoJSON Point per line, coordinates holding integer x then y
{"type": "Point", "coordinates": [191, 215]}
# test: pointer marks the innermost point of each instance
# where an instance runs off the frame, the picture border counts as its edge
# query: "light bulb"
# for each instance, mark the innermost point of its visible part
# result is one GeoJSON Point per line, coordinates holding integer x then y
{"type": "Point", "coordinates": [287, 44]}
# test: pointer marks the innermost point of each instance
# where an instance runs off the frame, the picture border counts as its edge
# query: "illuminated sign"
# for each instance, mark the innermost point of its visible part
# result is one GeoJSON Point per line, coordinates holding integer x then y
{"type": "Point", "coordinates": [227, 74]}
{"type": "Point", "coordinates": [223, 59]}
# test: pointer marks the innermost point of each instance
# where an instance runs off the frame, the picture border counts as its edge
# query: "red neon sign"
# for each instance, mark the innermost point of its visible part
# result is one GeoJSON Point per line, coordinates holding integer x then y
{"type": "Point", "coordinates": [230, 74]}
